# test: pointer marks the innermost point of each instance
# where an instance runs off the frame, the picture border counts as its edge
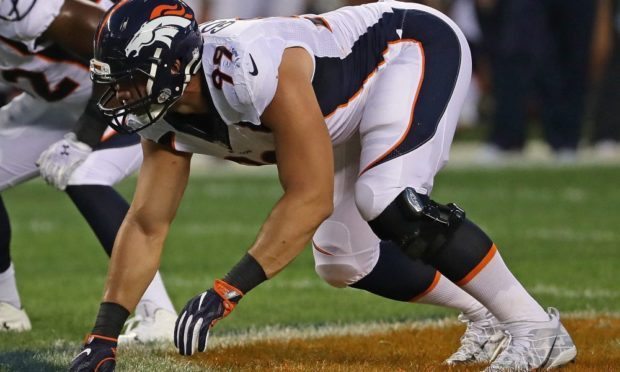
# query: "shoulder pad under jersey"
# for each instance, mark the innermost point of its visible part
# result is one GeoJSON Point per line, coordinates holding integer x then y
{"type": "Point", "coordinates": [241, 61]}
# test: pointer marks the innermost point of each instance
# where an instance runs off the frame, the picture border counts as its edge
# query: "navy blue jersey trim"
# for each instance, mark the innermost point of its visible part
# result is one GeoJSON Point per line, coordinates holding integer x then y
{"type": "Point", "coordinates": [442, 52]}
{"type": "Point", "coordinates": [337, 80]}
{"type": "Point", "coordinates": [207, 126]}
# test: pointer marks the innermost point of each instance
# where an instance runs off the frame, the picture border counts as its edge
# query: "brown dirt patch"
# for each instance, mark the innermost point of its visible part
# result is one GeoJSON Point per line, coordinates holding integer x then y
{"type": "Point", "coordinates": [597, 340]}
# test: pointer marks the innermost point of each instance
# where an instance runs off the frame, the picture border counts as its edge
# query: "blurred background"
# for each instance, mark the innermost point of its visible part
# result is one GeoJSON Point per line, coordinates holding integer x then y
{"type": "Point", "coordinates": [535, 160]}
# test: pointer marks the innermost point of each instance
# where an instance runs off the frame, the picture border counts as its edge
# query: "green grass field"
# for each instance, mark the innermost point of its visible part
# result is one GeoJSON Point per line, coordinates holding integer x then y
{"type": "Point", "coordinates": [557, 228]}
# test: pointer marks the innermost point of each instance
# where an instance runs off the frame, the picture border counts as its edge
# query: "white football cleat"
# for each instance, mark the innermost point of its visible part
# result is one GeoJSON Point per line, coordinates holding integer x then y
{"type": "Point", "coordinates": [479, 343]}
{"type": "Point", "coordinates": [156, 328]}
{"type": "Point", "coordinates": [13, 319]}
{"type": "Point", "coordinates": [535, 345]}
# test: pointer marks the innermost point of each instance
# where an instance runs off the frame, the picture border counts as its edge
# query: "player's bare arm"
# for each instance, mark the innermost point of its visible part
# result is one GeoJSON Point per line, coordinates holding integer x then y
{"type": "Point", "coordinates": [305, 165]}
{"type": "Point", "coordinates": [79, 19]}
{"type": "Point", "coordinates": [140, 241]}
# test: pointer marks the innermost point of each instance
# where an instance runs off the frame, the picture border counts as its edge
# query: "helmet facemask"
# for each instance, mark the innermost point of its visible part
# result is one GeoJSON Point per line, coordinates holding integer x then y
{"type": "Point", "coordinates": [128, 99]}
{"type": "Point", "coordinates": [146, 69]}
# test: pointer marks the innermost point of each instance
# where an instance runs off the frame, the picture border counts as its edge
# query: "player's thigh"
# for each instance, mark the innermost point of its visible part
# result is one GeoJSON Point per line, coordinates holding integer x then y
{"type": "Point", "coordinates": [345, 248]}
{"type": "Point", "coordinates": [27, 128]}
{"type": "Point", "coordinates": [408, 127]}
{"type": "Point", "coordinates": [110, 162]}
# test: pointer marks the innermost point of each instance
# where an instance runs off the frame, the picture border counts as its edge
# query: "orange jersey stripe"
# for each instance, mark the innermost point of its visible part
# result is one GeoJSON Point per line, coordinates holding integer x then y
{"type": "Point", "coordinates": [429, 289]}
{"type": "Point", "coordinates": [481, 265]}
{"type": "Point", "coordinates": [107, 134]}
{"type": "Point", "coordinates": [321, 250]}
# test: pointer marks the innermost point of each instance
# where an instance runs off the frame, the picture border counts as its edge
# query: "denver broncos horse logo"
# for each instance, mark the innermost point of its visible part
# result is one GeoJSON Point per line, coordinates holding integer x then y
{"type": "Point", "coordinates": [165, 23]}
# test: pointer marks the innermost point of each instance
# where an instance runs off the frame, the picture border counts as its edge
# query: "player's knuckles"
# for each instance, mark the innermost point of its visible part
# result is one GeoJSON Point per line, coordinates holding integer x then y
{"type": "Point", "coordinates": [180, 331]}
{"type": "Point", "coordinates": [203, 337]}
{"type": "Point", "coordinates": [175, 335]}
{"type": "Point", "coordinates": [195, 334]}
{"type": "Point", "coordinates": [186, 336]}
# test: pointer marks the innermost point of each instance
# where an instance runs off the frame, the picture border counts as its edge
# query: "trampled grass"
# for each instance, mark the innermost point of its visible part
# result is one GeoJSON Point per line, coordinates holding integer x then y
{"type": "Point", "coordinates": [556, 228]}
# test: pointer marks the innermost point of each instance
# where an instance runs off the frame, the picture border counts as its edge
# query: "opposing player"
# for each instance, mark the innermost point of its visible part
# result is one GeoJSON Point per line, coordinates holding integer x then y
{"type": "Point", "coordinates": [38, 57]}
{"type": "Point", "coordinates": [357, 108]}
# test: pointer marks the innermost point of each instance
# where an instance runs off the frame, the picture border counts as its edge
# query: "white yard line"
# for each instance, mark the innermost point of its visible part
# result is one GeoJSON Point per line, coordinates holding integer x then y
{"type": "Point", "coordinates": [277, 333]}
{"type": "Point", "coordinates": [563, 292]}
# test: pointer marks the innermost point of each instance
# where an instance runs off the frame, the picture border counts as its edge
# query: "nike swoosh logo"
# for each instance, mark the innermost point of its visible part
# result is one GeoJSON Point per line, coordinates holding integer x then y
{"type": "Point", "coordinates": [255, 71]}
{"type": "Point", "coordinates": [87, 351]}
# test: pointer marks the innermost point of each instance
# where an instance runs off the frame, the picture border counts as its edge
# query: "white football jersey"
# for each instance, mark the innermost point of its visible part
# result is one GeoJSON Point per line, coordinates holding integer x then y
{"type": "Point", "coordinates": [241, 60]}
{"type": "Point", "coordinates": [351, 49]}
{"type": "Point", "coordinates": [41, 69]}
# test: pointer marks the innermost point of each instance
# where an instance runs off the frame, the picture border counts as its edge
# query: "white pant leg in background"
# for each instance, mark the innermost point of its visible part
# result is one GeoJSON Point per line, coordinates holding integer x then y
{"type": "Point", "coordinates": [27, 127]}
{"type": "Point", "coordinates": [107, 167]}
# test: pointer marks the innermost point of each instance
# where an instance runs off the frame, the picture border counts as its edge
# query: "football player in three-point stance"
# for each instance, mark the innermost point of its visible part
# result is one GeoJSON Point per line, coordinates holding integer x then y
{"type": "Point", "coordinates": [357, 108]}
{"type": "Point", "coordinates": [38, 57]}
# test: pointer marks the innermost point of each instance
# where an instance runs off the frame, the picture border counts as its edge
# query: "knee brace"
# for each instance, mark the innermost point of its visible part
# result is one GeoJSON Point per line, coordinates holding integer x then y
{"type": "Point", "coordinates": [417, 224]}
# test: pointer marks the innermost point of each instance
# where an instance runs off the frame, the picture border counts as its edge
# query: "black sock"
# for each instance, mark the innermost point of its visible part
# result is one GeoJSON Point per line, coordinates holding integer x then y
{"type": "Point", "coordinates": [103, 208]}
{"type": "Point", "coordinates": [5, 238]}
{"type": "Point", "coordinates": [396, 276]}
{"type": "Point", "coordinates": [467, 247]}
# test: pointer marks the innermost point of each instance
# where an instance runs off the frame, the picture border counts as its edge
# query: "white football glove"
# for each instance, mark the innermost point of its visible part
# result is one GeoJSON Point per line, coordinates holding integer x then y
{"type": "Point", "coordinates": [58, 162]}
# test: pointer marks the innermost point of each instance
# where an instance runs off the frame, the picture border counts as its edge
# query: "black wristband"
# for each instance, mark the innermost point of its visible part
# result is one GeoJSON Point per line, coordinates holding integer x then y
{"type": "Point", "coordinates": [246, 274]}
{"type": "Point", "coordinates": [110, 320]}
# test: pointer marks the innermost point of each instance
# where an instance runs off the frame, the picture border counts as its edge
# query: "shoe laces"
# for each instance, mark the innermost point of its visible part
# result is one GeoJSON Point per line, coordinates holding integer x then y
{"type": "Point", "coordinates": [476, 335]}
{"type": "Point", "coordinates": [515, 354]}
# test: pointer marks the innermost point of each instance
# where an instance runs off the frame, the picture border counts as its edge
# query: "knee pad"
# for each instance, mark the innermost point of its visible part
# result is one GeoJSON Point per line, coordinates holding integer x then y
{"type": "Point", "coordinates": [343, 270]}
{"type": "Point", "coordinates": [344, 253]}
{"type": "Point", "coordinates": [338, 275]}
{"type": "Point", "coordinates": [417, 224]}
